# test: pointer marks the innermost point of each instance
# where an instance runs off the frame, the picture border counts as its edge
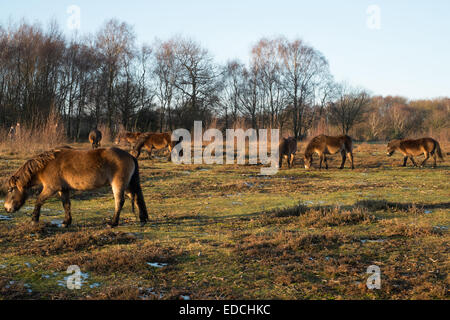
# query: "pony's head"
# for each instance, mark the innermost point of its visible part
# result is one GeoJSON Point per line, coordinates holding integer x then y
{"type": "Point", "coordinates": [391, 147]}
{"type": "Point", "coordinates": [308, 159]}
{"type": "Point", "coordinates": [15, 197]}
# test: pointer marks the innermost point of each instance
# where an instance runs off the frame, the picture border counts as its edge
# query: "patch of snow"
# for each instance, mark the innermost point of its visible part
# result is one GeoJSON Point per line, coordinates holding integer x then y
{"type": "Point", "coordinates": [156, 264]}
{"type": "Point", "coordinates": [372, 241]}
{"type": "Point", "coordinates": [56, 223]}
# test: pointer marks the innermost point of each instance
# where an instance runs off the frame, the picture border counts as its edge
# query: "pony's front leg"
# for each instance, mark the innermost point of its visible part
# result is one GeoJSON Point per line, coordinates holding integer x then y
{"type": "Point", "coordinates": [320, 161]}
{"type": "Point", "coordinates": [65, 198]}
{"type": "Point", "coordinates": [292, 160]}
{"type": "Point", "coordinates": [326, 162]}
{"type": "Point", "coordinates": [149, 151]}
{"type": "Point", "coordinates": [405, 159]}
{"type": "Point", "coordinates": [413, 161]}
{"type": "Point", "coordinates": [43, 196]}
{"type": "Point", "coordinates": [170, 153]}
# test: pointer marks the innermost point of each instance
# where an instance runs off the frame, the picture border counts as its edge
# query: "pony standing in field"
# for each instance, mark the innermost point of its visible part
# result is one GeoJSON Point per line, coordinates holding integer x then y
{"type": "Point", "coordinates": [150, 141]}
{"type": "Point", "coordinates": [411, 148]}
{"type": "Point", "coordinates": [287, 150]}
{"type": "Point", "coordinates": [129, 137]}
{"type": "Point", "coordinates": [64, 169]}
{"type": "Point", "coordinates": [95, 136]}
{"type": "Point", "coordinates": [323, 145]}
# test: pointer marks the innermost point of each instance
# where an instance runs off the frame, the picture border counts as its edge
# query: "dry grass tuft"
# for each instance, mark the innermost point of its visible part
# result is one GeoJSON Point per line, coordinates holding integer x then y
{"type": "Point", "coordinates": [394, 227]}
{"type": "Point", "coordinates": [131, 258]}
{"type": "Point", "coordinates": [77, 241]}
{"type": "Point", "coordinates": [330, 217]}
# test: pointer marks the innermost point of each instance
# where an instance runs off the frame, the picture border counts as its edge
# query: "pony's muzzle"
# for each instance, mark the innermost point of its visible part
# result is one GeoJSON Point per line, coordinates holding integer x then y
{"type": "Point", "coordinates": [9, 208]}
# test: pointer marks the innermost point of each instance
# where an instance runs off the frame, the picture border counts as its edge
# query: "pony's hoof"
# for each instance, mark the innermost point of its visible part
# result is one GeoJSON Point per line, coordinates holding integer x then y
{"type": "Point", "coordinates": [112, 224]}
{"type": "Point", "coordinates": [143, 223]}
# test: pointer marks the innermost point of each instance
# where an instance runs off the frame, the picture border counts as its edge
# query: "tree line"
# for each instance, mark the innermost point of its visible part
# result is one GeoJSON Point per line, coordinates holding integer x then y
{"type": "Point", "coordinates": [108, 79]}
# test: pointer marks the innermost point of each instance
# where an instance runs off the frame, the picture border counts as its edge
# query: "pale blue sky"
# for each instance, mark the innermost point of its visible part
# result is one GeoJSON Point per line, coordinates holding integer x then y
{"type": "Point", "coordinates": [408, 56]}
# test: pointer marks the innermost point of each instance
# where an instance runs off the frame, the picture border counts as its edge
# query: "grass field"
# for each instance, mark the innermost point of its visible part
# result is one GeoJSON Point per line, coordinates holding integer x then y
{"type": "Point", "coordinates": [225, 232]}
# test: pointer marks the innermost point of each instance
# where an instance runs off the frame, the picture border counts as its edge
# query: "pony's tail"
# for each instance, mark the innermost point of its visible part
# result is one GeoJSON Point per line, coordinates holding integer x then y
{"type": "Point", "coordinates": [137, 195]}
{"type": "Point", "coordinates": [439, 151]}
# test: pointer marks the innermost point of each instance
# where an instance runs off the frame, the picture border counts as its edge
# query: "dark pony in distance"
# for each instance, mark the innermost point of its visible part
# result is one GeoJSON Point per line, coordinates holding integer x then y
{"type": "Point", "coordinates": [323, 145]}
{"type": "Point", "coordinates": [95, 136]}
{"type": "Point", "coordinates": [127, 136]}
{"type": "Point", "coordinates": [151, 141]}
{"type": "Point", "coordinates": [64, 169]}
{"type": "Point", "coordinates": [410, 148]}
{"type": "Point", "coordinates": [287, 150]}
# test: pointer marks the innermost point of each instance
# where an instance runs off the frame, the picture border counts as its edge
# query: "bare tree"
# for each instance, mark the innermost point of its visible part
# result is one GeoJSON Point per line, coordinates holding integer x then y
{"type": "Point", "coordinates": [165, 74]}
{"type": "Point", "coordinates": [115, 41]}
{"type": "Point", "coordinates": [303, 69]}
{"type": "Point", "coordinates": [349, 107]}
{"type": "Point", "coordinates": [196, 78]}
{"type": "Point", "coordinates": [231, 91]}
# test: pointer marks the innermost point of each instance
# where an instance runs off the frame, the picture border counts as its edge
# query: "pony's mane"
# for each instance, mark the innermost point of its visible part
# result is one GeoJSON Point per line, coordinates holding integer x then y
{"type": "Point", "coordinates": [310, 145]}
{"type": "Point", "coordinates": [23, 176]}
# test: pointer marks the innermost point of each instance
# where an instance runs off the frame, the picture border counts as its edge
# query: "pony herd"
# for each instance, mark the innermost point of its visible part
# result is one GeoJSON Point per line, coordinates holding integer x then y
{"type": "Point", "coordinates": [65, 169]}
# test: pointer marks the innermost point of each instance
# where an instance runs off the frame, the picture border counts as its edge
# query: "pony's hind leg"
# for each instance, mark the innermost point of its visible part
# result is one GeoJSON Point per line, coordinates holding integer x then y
{"type": "Point", "coordinates": [65, 198]}
{"type": "Point", "coordinates": [326, 162]}
{"type": "Point", "coordinates": [170, 152]}
{"type": "Point", "coordinates": [132, 197]}
{"type": "Point", "coordinates": [321, 157]}
{"type": "Point", "coordinates": [350, 156]}
{"type": "Point", "coordinates": [119, 201]}
{"type": "Point", "coordinates": [344, 157]}
{"type": "Point", "coordinates": [427, 156]}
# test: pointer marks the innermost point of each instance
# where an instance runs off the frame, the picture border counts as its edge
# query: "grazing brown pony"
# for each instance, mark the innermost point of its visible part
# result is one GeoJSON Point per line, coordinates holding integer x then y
{"type": "Point", "coordinates": [129, 137]}
{"type": "Point", "coordinates": [95, 136]}
{"type": "Point", "coordinates": [410, 148]}
{"type": "Point", "coordinates": [287, 150]}
{"type": "Point", "coordinates": [64, 169]}
{"type": "Point", "coordinates": [150, 141]}
{"type": "Point", "coordinates": [323, 145]}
